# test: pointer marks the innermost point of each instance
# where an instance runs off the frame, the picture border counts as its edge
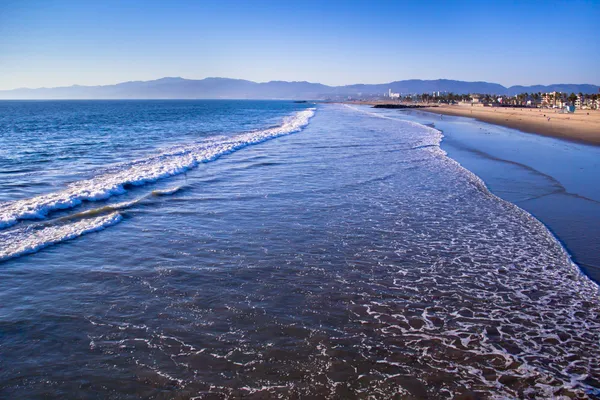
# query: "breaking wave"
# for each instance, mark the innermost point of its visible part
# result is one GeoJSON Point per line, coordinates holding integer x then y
{"type": "Point", "coordinates": [170, 163]}
{"type": "Point", "coordinates": [26, 240]}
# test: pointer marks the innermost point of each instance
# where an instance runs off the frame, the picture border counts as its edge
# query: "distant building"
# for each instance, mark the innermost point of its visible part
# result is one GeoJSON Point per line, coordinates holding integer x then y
{"type": "Point", "coordinates": [475, 98]}
{"type": "Point", "coordinates": [393, 95]}
{"type": "Point", "coordinates": [585, 102]}
{"type": "Point", "coordinates": [553, 99]}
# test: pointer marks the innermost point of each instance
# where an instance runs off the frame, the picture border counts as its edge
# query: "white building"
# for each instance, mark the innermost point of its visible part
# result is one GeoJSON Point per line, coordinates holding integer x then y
{"type": "Point", "coordinates": [554, 99]}
{"type": "Point", "coordinates": [393, 95]}
{"type": "Point", "coordinates": [585, 102]}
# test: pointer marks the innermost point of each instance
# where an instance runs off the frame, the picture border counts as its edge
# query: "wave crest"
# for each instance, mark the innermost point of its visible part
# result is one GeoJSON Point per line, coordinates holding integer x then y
{"type": "Point", "coordinates": [144, 171]}
{"type": "Point", "coordinates": [17, 242]}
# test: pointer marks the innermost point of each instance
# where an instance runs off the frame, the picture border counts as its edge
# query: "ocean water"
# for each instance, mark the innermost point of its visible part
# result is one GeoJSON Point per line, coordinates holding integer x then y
{"type": "Point", "coordinates": [218, 249]}
{"type": "Point", "coordinates": [555, 180]}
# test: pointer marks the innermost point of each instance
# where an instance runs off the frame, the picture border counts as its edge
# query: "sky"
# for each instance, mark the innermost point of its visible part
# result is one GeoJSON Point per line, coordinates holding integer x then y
{"type": "Point", "coordinates": [49, 43]}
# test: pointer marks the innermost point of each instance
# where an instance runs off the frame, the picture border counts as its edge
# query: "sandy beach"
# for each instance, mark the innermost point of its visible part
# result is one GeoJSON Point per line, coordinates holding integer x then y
{"type": "Point", "coordinates": [582, 126]}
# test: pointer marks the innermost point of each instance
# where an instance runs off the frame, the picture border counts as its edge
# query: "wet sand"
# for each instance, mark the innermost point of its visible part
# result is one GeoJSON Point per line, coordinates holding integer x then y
{"type": "Point", "coordinates": [582, 126]}
{"type": "Point", "coordinates": [555, 180]}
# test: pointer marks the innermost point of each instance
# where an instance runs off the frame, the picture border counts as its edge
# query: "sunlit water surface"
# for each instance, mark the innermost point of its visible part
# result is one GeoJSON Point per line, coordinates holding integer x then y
{"type": "Point", "coordinates": [267, 252]}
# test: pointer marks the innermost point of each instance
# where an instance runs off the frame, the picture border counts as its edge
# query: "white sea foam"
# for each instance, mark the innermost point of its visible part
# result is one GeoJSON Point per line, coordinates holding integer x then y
{"type": "Point", "coordinates": [26, 240]}
{"type": "Point", "coordinates": [447, 291]}
{"type": "Point", "coordinates": [173, 162]}
{"type": "Point", "coordinates": [166, 192]}
{"type": "Point", "coordinates": [433, 140]}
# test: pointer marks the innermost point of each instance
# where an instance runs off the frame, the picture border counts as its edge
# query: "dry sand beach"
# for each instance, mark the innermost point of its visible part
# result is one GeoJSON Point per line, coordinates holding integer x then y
{"type": "Point", "coordinates": [583, 125]}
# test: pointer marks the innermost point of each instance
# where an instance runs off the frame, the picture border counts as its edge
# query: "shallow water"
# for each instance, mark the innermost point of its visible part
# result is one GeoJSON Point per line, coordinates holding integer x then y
{"type": "Point", "coordinates": [555, 180]}
{"type": "Point", "coordinates": [347, 256]}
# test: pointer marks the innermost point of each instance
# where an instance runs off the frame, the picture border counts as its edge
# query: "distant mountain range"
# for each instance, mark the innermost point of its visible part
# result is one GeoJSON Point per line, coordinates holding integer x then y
{"type": "Point", "coordinates": [225, 88]}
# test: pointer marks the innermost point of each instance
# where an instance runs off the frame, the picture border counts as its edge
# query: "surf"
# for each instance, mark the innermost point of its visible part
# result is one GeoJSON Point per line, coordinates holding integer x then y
{"type": "Point", "coordinates": [140, 172]}
{"type": "Point", "coordinates": [27, 240]}
{"type": "Point", "coordinates": [30, 239]}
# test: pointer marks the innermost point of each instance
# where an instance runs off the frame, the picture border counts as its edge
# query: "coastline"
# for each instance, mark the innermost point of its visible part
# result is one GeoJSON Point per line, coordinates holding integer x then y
{"type": "Point", "coordinates": [553, 180]}
{"type": "Point", "coordinates": [363, 225]}
{"type": "Point", "coordinates": [582, 126]}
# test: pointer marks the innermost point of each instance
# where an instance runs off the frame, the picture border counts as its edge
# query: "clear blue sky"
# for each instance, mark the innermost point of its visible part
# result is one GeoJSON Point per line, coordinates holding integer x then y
{"type": "Point", "coordinates": [59, 43]}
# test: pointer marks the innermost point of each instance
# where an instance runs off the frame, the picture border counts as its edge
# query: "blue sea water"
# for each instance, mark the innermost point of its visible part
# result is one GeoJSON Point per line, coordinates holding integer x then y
{"type": "Point", "coordinates": [555, 180]}
{"type": "Point", "coordinates": [214, 249]}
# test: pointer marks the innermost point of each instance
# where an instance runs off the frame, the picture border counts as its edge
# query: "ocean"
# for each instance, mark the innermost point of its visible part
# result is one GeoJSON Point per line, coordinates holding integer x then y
{"type": "Point", "coordinates": [226, 249]}
{"type": "Point", "coordinates": [557, 181]}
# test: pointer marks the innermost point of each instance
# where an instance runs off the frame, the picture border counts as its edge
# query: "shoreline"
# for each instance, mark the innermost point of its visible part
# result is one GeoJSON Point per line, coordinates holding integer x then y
{"type": "Point", "coordinates": [583, 126]}
{"type": "Point", "coordinates": [527, 171]}
{"type": "Point", "coordinates": [579, 127]}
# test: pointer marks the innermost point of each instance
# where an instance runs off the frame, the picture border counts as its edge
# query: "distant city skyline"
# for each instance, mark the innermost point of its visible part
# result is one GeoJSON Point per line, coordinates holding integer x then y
{"type": "Point", "coordinates": [62, 43]}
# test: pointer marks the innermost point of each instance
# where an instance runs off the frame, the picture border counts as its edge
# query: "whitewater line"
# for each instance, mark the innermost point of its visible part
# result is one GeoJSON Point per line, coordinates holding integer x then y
{"type": "Point", "coordinates": [144, 171]}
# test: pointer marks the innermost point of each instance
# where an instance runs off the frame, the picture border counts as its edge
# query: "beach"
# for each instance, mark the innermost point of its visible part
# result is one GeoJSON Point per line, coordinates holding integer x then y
{"type": "Point", "coordinates": [254, 249]}
{"type": "Point", "coordinates": [553, 179]}
{"type": "Point", "coordinates": [582, 125]}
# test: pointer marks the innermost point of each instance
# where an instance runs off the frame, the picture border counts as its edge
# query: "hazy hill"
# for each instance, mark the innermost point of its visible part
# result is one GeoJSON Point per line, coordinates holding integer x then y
{"type": "Point", "coordinates": [225, 88]}
{"type": "Point", "coordinates": [560, 87]}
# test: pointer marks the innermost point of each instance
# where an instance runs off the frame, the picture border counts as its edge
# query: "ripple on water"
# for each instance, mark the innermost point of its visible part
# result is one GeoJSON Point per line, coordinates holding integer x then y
{"type": "Point", "coordinates": [353, 278]}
